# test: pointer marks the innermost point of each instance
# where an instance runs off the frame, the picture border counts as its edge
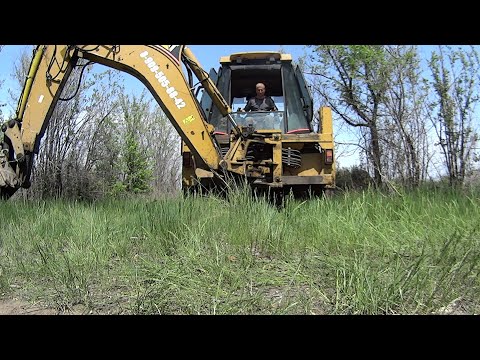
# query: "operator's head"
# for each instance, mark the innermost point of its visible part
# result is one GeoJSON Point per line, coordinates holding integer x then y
{"type": "Point", "coordinates": [260, 89]}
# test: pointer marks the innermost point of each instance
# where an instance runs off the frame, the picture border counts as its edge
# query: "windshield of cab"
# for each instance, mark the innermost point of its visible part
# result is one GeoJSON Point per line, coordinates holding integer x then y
{"type": "Point", "coordinates": [262, 120]}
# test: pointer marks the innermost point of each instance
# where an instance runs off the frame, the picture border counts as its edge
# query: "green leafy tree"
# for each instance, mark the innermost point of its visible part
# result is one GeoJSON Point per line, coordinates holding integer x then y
{"type": "Point", "coordinates": [405, 149]}
{"type": "Point", "coordinates": [137, 172]}
{"type": "Point", "coordinates": [353, 82]}
{"type": "Point", "coordinates": [378, 93]}
{"type": "Point", "coordinates": [455, 82]}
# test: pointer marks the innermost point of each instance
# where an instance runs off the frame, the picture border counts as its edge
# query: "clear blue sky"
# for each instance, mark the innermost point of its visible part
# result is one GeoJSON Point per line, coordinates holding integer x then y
{"type": "Point", "coordinates": [207, 55]}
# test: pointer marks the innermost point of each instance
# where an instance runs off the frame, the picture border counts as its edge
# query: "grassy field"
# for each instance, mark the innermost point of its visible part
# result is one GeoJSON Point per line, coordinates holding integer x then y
{"type": "Point", "coordinates": [358, 253]}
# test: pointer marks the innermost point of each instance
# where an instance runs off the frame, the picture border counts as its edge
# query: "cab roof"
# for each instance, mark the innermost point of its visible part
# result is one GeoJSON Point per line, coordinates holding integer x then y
{"type": "Point", "coordinates": [239, 57]}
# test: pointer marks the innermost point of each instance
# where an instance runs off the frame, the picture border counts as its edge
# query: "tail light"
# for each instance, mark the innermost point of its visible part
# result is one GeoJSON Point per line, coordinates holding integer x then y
{"type": "Point", "coordinates": [328, 156]}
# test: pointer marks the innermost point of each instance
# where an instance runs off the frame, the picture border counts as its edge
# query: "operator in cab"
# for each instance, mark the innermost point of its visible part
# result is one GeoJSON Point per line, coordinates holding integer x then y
{"type": "Point", "coordinates": [260, 102]}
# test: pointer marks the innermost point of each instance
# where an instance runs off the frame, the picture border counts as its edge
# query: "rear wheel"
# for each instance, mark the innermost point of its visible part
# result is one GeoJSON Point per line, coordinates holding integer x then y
{"type": "Point", "coordinates": [328, 193]}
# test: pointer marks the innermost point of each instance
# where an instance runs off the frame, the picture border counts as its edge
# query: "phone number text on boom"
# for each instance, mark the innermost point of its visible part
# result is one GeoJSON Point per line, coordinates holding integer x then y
{"type": "Point", "coordinates": [162, 79]}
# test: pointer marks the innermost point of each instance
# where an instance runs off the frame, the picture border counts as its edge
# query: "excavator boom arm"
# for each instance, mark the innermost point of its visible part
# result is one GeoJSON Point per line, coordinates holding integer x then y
{"type": "Point", "coordinates": [153, 65]}
{"type": "Point", "coordinates": [158, 67]}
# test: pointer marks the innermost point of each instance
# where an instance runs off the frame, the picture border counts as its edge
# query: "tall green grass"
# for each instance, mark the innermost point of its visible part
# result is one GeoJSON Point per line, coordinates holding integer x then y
{"type": "Point", "coordinates": [356, 253]}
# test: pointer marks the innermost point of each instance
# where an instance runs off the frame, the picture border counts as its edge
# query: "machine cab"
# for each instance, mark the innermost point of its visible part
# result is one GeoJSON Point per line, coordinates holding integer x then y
{"type": "Point", "coordinates": [284, 82]}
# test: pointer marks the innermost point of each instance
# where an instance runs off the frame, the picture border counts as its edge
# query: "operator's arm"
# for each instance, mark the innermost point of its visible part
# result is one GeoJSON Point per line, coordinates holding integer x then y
{"type": "Point", "coordinates": [248, 107]}
{"type": "Point", "coordinates": [274, 107]}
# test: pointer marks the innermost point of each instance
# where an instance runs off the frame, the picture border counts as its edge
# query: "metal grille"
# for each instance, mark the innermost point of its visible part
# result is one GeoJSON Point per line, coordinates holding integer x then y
{"type": "Point", "coordinates": [291, 157]}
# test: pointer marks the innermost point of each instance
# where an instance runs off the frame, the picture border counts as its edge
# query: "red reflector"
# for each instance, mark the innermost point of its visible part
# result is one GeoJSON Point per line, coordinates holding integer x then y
{"type": "Point", "coordinates": [328, 156]}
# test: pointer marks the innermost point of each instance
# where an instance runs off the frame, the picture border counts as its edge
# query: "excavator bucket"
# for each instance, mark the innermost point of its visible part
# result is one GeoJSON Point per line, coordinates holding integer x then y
{"type": "Point", "coordinates": [8, 178]}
